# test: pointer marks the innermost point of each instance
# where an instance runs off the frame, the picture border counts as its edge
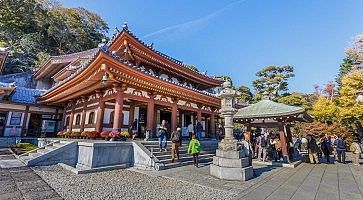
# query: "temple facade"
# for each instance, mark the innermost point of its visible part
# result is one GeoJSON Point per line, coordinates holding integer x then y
{"type": "Point", "coordinates": [126, 80]}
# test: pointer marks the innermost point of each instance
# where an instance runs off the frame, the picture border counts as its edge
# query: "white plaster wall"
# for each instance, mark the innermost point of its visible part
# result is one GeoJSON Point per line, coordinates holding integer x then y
{"type": "Point", "coordinates": [126, 117]}
{"type": "Point", "coordinates": [106, 115]}
{"type": "Point", "coordinates": [89, 129]}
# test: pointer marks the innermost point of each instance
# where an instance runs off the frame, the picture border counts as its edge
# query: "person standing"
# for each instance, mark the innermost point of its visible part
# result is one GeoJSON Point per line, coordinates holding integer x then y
{"type": "Point", "coordinates": [134, 129]}
{"type": "Point", "coordinates": [194, 149]}
{"type": "Point", "coordinates": [356, 150]}
{"type": "Point", "coordinates": [325, 147]}
{"type": "Point", "coordinates": [264, 143]}
{"type": "Point", "coordinates": [341, 148]}
{"type": "Point", "coordinates": [175, 139]}
{"type": "Point", "coordinates": [313, 150]}
{"type": "Point", "coordinates": [278, 149]}
{"type": "Point", "coordinates": [162, 132]}
{"type": "Point", "coordinates": [190, 130]}
{"type": "Point", "coordinates": [199, 130]}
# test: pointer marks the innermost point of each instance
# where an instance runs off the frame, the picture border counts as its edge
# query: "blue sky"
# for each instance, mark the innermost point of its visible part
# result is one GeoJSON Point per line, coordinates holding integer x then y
{"type": "Point", "coordinates": [237, 38]}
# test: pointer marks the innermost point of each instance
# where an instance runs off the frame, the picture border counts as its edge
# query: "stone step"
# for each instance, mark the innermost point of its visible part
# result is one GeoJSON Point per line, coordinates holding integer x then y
{"type": "Point", "coordinates": [25, 158]}
{"type": "Point", "coordinates": [180, 164]}
{"type": "Point", "coordinates": [58, 144]}
{"type": "Point", "coordinates": [181, 151]}
{"type": "Point", "coordinates": [187, 158]}
{"type": "Point", "coordinates": [43, 151]}
{"type": "Point", "coordinates": [35, 154]}
{"type": "Point", "coordinates": [50, 148]}
{"type": "Point", "coordinates": [167, 155]}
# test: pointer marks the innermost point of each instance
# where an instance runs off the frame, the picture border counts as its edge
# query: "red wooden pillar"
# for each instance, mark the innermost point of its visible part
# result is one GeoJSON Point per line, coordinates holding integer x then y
{"type": "Point", "coordinates": [131, 114]}
{"type": "Point", "coordinates": [117, 120]}
{"type": "Point", "coordinates": [150, 113]}
{"type": "Point", "coordinates": [100, 113]}
{"type": "Point", "coordinates": [213, 124]}
{"type": "Point", "coordinates": [199, 114]}
{"type": "Point", "coordinates": [174, 115]}
{"type": "Point", "coordinates": [83, 119]}
{"type": "Point", "coordinates": [72, 116]}
{"type": "Point", "coordinates": [247, 134]}
{"type": "Point", "coordinates": [283, 140]}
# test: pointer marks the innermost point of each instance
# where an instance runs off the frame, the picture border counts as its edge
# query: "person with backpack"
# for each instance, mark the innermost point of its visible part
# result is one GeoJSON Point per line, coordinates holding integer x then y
{"type": "Point", "coordinates": [194, 149]}
{"type": "Point", "coordinates": [341, 148]}
{"type": "Point", "coordinates": [313, 150]}
{"type": "Point", "coordinates": [262, 149]}
{"type": "Point", "coordinates": [355, 148]}
{"type": "Point", "coordinates": [325, 148]}
{"type": "Point", "coordinates": [175, 139]}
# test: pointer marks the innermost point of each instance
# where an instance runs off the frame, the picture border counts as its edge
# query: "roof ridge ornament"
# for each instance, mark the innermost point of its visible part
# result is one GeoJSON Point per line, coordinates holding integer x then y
{"type": "Point", "coordinates": [124, 26]}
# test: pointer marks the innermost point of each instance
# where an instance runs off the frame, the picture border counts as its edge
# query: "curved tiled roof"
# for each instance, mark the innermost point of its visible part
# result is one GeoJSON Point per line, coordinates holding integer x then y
{"type": "Point", "coordinates": [119, 59]}
{"type": "Point", "coordinates": [267, 109]}
{"type": "Point", "coordinates": [125, 28]}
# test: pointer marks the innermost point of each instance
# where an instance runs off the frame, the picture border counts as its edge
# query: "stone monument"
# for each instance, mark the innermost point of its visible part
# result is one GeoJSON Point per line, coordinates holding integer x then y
{"type": "Point", "coordinates": [230, 162]}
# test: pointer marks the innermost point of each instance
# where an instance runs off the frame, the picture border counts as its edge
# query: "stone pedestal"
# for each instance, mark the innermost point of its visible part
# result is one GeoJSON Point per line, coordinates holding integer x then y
{"type": "Point", "coordinates": [230, 162]}
{"type": "Point", "coordinates": [231, 165]}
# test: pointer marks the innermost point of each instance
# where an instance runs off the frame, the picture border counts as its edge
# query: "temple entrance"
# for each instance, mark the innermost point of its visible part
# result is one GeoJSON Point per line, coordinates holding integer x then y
{"type": "Point", "coordinates": [35, 125]}
{"type": "Point", "coordinates": [165, 115]}
{"type": "Point", "coordinates": [2, 123]}
{"type": "Point", "coordinates": [142, 122]}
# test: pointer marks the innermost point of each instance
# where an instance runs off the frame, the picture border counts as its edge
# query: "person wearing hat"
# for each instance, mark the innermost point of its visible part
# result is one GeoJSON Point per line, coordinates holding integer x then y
{"type": "Point", "coordinates": [175, 139]}
{"type": "Point", "coordinates": [356, 150]}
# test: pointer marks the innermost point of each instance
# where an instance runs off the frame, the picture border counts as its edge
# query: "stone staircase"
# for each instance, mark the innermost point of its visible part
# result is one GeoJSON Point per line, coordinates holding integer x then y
{"type": "Point", "coordinates": [163, 159]}
{"type": "Point", "coordinates": [35, 154]}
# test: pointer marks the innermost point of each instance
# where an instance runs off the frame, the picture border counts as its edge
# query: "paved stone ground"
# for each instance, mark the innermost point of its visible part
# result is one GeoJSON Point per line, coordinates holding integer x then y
{"type": "Point", "coordinates": [20, 182]}
{"type": "Point", "coordinates": [322, 181]}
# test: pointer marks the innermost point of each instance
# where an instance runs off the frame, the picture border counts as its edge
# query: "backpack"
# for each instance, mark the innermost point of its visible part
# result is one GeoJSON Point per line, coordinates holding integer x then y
{"type": "Point", "coordinates": [263, 142]}
{"type": "Point", "coordinates": [340, 144]}
{"type": "Point", "coordinates": [176, 137]}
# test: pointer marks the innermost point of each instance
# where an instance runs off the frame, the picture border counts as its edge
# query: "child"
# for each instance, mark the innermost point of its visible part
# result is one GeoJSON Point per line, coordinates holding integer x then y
{"type": "Point", "coordinates": [194, 149]}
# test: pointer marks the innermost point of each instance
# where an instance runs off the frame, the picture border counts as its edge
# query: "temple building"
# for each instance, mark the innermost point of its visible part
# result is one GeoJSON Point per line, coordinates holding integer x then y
{"type": "Point", "coordinates": [123, 80]}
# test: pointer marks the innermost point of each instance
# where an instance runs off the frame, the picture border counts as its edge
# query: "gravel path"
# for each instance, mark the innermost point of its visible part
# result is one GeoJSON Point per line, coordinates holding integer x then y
{"type": "Point", "coordinates": [123, 184]}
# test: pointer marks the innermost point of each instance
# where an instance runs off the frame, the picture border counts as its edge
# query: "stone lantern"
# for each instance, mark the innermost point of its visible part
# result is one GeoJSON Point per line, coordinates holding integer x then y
{"type": "Point", "coordinates": [230, 162]}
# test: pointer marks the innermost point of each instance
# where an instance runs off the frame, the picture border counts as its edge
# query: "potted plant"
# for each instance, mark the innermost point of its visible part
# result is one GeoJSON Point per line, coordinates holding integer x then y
{"type": "Point", "coordinates": [84, 134]}
{"type": "Point", "coordinates": [124, 135]}
{"type": "Point", "coordinates": [114, 135]}
{"type": "Point", "coordinates": [60, 134]}
{"type": "Point", "coordinates": [105, 134]}
{"type": "Point", "coordinates": [92, 134]}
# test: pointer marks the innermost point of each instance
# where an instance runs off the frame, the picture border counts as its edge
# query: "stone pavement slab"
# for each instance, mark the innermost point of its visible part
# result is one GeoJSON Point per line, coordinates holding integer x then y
{"type": "Point", "coordinates": [23, 183]}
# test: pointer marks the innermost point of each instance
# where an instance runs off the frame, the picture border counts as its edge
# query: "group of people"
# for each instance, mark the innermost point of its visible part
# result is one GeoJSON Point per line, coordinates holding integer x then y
{"type": "Point", "coordinates": [267, 146]}
{"type": "Point", "coordinates": [313, 148]}
{"type": "Point", "coordinates": [194, 146]}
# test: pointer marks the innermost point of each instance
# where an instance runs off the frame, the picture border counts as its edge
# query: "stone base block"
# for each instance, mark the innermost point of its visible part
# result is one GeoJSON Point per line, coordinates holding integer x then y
{"type": "Point", "coordinates": [231, 173]}
{"type": "Point", "coordinates": [231, 162]}
{"type": "Point", "coordinates": [230, 154]}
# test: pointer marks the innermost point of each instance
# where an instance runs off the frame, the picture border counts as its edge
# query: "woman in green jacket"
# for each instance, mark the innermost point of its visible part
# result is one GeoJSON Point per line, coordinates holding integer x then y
{"type": "Point", "coordinates": [194, 149]}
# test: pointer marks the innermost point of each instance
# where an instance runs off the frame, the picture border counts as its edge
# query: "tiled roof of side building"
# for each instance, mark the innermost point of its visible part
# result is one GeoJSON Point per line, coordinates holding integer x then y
{"type": "Point", "coordinates": [267, 108]}
{"type": "Point", "coordinates": [25, 95]}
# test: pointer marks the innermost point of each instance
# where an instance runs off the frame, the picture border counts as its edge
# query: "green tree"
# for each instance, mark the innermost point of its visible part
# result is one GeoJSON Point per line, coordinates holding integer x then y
{"type": "Point", "coordinates": [245, 94]}
{"type": "Point", "coordinates": [272, 80]}
{"type": "Point", "coordinates": [344, 68]}
{"type": "Point", "coordinates": [37, 28]}
{"type": "Point", "coordinates": [296, 99]}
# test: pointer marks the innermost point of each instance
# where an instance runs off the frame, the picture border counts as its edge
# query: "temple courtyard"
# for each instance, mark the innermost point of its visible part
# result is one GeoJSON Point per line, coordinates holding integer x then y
{"type": "Point", "coordinates": [323, 181]}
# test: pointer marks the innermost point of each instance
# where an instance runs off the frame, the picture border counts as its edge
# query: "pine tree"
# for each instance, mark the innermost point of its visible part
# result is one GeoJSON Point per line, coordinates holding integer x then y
{"type": "Point", "coordinates": [344, 68]}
